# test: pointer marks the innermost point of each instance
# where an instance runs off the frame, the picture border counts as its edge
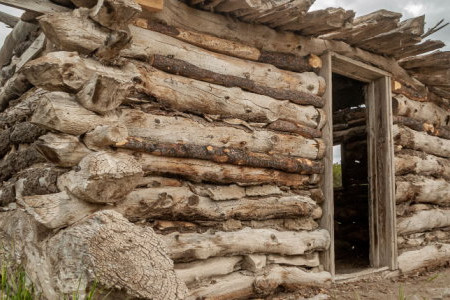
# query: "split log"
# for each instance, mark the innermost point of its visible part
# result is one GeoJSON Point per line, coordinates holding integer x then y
{"type": "Point", "coordinates": [321, 21]}
{"type": "Point", "coordinates": [417, 125]}
{"type": "Point", "coordinates": [422, 189]}
{"type": "Point", "coordinates": [62, 149]}
{"type": "Point", "coordinates": [424, 111]}
{"type": "Point", "coordinates": [286, 61]}
{"type": "Point", "coordinates": [429, 256]}
{"type": "Point", "coordinates": [168, 129]}
{"type": "Point", "coordinates": [398, 88]}
{"type": "Point", "coordinates": [436, 60]}
{"type": "Point", "coordinates": [17, 161]}
{"type": "Point", "coordinates": [195, 96]}
{"type": "Point", "coordinates": [188, 246]}
{"type": "Point", "coordinates": [407, 33]}
{"type": "Point", "coordinates": [228, 155]}
{"type": "Point", "coordinates": [418, 49]}
{"type": "Point", "coordinates": [309, 260]}
{"type": "Point", "coordinates": [424, 220]}
{"type": "Point", "coordinates": [59, 111]}
{"type": "Point", "coordinates": [176, 13]}
{"type": "Point", "coordinates": [290, 278]}
{"type": "Point", "coordinates": [409, 161]}
{"type": "Point", "coordinates": [179, 203]}
{"type": "Point", "coordinates": [420, 141]}
{"type": "Point", "coordinates": [200, 270]}
{"type": "Point", "coordinates": [206, 171]}
{"type": "Point", "coordinates": [366, 26]}
{"type": "Point", "coordinates": [102, 177]}
{"type": "Point", "coordinates": [233, 191]}
{"type": "Point", "coordinates": [155, 47]}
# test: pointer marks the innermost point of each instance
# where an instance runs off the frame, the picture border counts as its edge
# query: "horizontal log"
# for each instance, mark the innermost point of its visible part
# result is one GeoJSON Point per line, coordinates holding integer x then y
{"type": "Point", "coordinates": [8, 19]}
{"type": "Point", "coordinates": [433, 76]}
{"type": "Point", "coordinates": [206, 171]}
{"type": "Point", "coordinates": [422, 239]}
{"type": "Point", "coordinates": [424, 111]}
{"type": "Point", "coordinates": [349, 134]}
{"type": "Point", "coordinates": [411, 139]}
{"type": "Point", "coordinates": [286, 126]}
{"type": "Point", "coordinates": [410, 93]}
{"type": "Point", "coordinates": [179, 15]}
{"type": "Point", "coordinates": [16, 86]}
{"type": "Point", "coordinates": [417, 49]}
{"type": "Point", "coordinates": [417, 125]}
{"type": "Point", "coordinates": [429, 256]}
{"type": "Point", "coordinates": [286, 61]}
{"type": "Point", "coordinates": [21, 133]}
{"type": "Point", "coordinates": [246, 241]}
{"type": "Point", "coordinates": [155, 47]}
{"type": "Point", "coordinates": [227, 155]}
{"type": "Point", "coordinates": [409, 161]}
{"type": "Point", "coordinates": [422, 189]}
{"type": "Point", "coordinates": [20, 109]}
{"type": "Point", "coordinates": [16, 37]}
{"type": "Point", "coordinates": [102, 177]}
{"type": "Point", "coordinates": [200, 270]}
{"type": "Point", "coordinates": [309, 260]}
{"type": "Point", "coordinates": [437, 59]}
{"type": "Point", "coordinates": [168, 129]}
{"type": "Point", "coordinates": [180, 203]}
{"type": "Point", "coordinates": [423, 221]}
{"type": "Point", "coordinates": [61, 149]}
{"type": "Point", "coordinates": [349, 114]}
{"type": "Point", "coordinates": [17, 161]}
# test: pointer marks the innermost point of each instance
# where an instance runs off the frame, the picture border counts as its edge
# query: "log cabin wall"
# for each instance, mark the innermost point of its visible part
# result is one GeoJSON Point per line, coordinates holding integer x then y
{"type": "Point", "coordinates": [163, 151]}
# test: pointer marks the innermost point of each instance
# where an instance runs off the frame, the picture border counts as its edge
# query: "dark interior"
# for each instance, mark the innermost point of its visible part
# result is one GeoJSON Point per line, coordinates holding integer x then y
{"type": "Point", "coordinates": [351, 193]}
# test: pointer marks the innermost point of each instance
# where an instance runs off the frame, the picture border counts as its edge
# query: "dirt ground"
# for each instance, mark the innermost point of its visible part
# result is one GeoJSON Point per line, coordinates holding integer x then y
{"type": "Point", "coordinates": [416, 286]}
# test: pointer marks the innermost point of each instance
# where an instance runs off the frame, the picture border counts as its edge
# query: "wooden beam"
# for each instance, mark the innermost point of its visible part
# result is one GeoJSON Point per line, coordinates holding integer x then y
{"type": "Point", "coordinates": [151, 5]}
{"type": "Point", "coordinates": [40, 6]}
{"type": "Point", "coordinates": [9, 20]}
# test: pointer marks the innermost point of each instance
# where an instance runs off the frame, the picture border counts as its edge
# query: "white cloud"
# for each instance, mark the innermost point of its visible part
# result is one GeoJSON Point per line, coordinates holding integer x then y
{"type": "Point", "coordinates": [415, 9]}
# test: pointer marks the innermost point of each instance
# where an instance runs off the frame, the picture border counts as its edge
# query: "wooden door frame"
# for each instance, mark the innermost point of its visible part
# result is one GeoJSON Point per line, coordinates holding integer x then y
{"type": "Point", "coordinates": [382, 217]}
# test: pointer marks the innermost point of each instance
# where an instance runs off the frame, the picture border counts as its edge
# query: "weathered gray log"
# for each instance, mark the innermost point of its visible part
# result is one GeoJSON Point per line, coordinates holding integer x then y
{"type": "Point", "coordinates": [433, 76]}
{"type": "Point", "coordinates": [410, 161]}
{"type": "Point", "coordinates": [62, 149]}
{"type": "Point", "coordinates": [17, 161]}
{"type": "Point", "coordinates": [309, 260]}
{"type": "Point", "coordinates": [225, 70]}
{"type": "Point", "coordinates": [102, 177]}
{"type": "Point", "coordinates": [421, 141]}
{"type": "Point", "coordinates": [366, 26]}
{"type": "Point", "coordinates": [176, 13]}
{"type": "Point", "coordinates": [417, 49]}
{"type": "Point", "coordinates": [422, 189]}
{"type": "Point", "coordinates": [104, 136]}
{"type": "Point", "coordinates": [59, 111]}
{"type": "Point", "coordinates": [206, 171]}
{"type": "Point", "coordinates": [8, 19]}
{"type": "Point", "coordinates": [417, 125]}
{"type": "Point", "coordinates": [246, 241]}
{"type": "Point", "coordinates": [94, 250]}
{"type": "Point", "coordinates": [180, 203]}
{"type": "Point", "coordinates": [321, 21]}
{"type": "Point", "coordinates": [424, 220]}
{"type": "Point", "coordinates": [424, 111]}
{"type": "Point", "coordinates": [437, 59]}
{"type": "Point", "coordinates": [422, 239]}
{"type": "Point", "coordinates": [168, 129]}
{"type": "Point", "coordinates": [229, 155]}
{"type": "Point", "coordinates": [410, 93]}
{"type": "Point", "coordinates": [203, 269]}
{"type": "Point", "coordinates": [349, 134]}
{"type": "Point", "coordinates": [17, 36]}
{"type": "Point", "coordinates": [284, 61]}
{"type": "Point", "coordinates": [429, 256]}
{"type": "Point", "coordinates": [286, 126]}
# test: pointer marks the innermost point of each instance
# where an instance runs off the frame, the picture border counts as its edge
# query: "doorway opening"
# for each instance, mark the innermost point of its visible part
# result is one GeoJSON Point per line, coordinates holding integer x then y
{"type": "Point", "coordinates": [351, 186]}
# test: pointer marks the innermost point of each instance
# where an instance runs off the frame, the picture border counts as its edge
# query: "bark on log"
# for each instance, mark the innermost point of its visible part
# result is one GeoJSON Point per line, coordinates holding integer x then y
{"type": "Point", "coordinates": [286, 126]}
{"type": "Point", "coordinates": [148, 44]}
{"type": "Point", "coordinates": [227, 155]}
{"type": "Point", "coordinates": [179, 203]}
{"type": "Point", "coordinates": [191, 246]}
{"type": "Point", "coordinates": [115, 14]}
{"type": "Point", "coordinates": [205, 171]}
{"type": "Point", "coordinates": [21, 109]}
{"type": "Point", "coordinates": [409, 161]}
{"type": "Point", "coordinates": [433, 76]}
{"type": "Point", "coordinates": [412, 94]}
{"type": "Point", "coordinates": [286, 61]}
{"type": "Point", "coordinates": [178, 14]}
{"type": "Point", "coordinates": [416, 50]}
{"type": "Point", "coordinates": [421, 141]}
{"type": "Point", "coordinates": [59, 111]}
{"type": "Point", "coordinates": [15, 87]}
{"type": "Point", "coordinates": [417, 125]}
{"type": "Point", "coordinates": [424, 111]}
{"type": "Point", "coordinates": [429, 256]}
{"type": "Point", "coordinates": [62, 149]}
{"type": "Point", "coordinates": [200, 270]}
{"type": "Point", "coordinates": [17, 161]}
{"type": "Point", "coordinates": [349, 134]}
{"type": "Point", "coordinates": [195, 96]}
{"type": "Point", "coordinates": [102, 177]}
{"type": "Point", "coordinates": [424, 220]}
{"type": "Point", "coordinates": [309, 260]}
{"type": "Point", "coordinates": [422, 189]}
{"type": "Point", "coordinates": [424, 238]}
{"type": "Point", "coordinates": [168, 129]}
{"type": "Point", "coordinates": [436, 59]}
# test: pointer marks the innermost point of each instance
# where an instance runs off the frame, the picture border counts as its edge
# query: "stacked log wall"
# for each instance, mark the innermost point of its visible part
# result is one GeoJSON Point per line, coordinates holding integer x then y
{"type": "Point", "coordinates": [422, 166]}
{"type": "Point", "coordinates": [216, 158]}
